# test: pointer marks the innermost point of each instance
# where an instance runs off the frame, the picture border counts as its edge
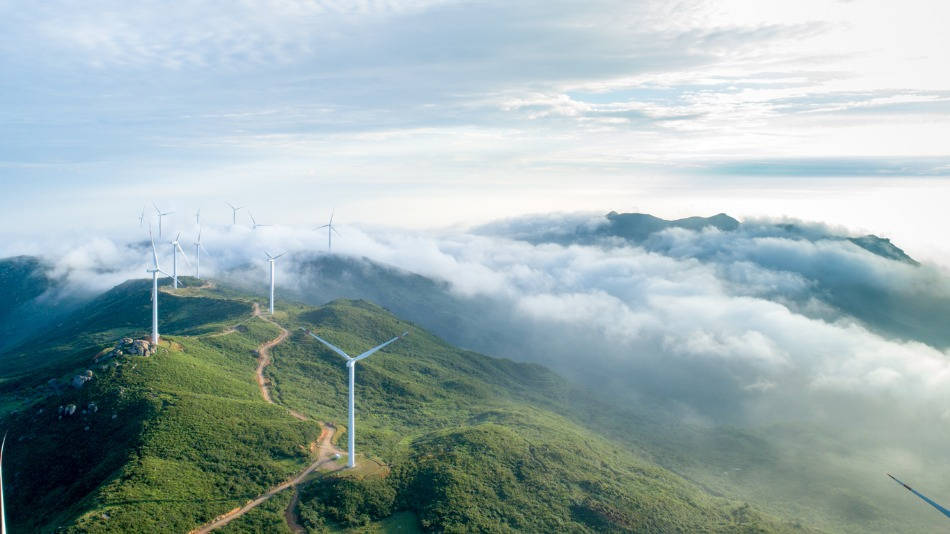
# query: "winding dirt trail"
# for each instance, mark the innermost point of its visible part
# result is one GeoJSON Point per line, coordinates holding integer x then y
{"type": "Point", "coordinates": [323, 447]}
{"type": "Point", "coordinates": [325, 450]}
{"type": "Point", "coordinates": [263, 355]}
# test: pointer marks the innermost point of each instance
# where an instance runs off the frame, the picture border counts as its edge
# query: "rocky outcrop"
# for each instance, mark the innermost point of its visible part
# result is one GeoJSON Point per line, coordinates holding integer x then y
{"type": "Point", "coordinates": [127, 345]}
{"type": "Point", "coordinates": [80, 380]}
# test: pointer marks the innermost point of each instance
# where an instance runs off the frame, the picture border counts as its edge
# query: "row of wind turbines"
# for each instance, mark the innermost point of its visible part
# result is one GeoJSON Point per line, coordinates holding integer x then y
{"type": "Point", "coordinates": [272, 260]}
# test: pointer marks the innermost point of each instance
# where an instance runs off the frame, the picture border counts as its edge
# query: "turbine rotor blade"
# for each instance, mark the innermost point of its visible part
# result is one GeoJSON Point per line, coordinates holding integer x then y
{"type": "Point", "coordinates": [332, 347]}
{"type": "Point", "coordinates": [183, 255]}
{"type": "Point", "coordinates": [154, 252]}
{"type": "Point", "coordinates": [376, 348]}
{"type": "Point", "coordinates": [923, 497]}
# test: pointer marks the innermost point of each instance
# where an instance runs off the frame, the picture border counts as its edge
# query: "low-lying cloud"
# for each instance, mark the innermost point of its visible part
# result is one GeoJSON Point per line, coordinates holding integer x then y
{"type": "Point", "coordinates": [753, 326]}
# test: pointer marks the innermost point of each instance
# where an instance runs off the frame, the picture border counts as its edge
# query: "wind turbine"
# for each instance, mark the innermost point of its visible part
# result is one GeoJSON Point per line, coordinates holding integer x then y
{"type": "Point", "coordinates": [155, 270]}
{"type": "Point", "coordinates": [198, 217]}
{"type": "Point", "coordinates": [176, 247]}
{"type": "Point", "coordinates": [351, 365]}
{"type": "Point", "coordinates": [926, 499]}
{"type": "Point", "coordinates": [198, 248]}
{"type": "Point", "coordinates": [330, 229]}
{"type": "Point", "coordinates": [160, 215]}
{"type": "Point", "coordinates": [254, 225]}
{"type": "Point", "coordinates": [142, 216]}
{"type": "Point", "coordinates": [3, 506]}
{"type": "Point", "coordinates": [234, 210]}
{"type": "Point", "coordinates": [272, 260]}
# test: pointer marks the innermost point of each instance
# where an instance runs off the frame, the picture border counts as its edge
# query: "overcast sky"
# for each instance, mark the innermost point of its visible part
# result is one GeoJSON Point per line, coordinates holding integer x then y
{"type": "Point", "coordinates": [430, 113]}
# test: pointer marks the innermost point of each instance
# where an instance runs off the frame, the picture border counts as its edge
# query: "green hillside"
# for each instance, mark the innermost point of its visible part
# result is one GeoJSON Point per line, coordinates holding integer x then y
{"type": "Point", "coordinates": [453, 441]}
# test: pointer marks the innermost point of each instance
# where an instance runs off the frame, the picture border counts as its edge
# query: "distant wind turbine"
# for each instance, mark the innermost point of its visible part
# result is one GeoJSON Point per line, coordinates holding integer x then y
{"type": "Point", "coordinates": [330, 229]}
{"type": "Point", "coordinates": [926, 499]}
{"type": "Point", "coordinates": [155, 270]}
{"type": "Point", "coordinates": [142, 216]}
{"type": "Point", "coordinates": [234, 210]}
{"type": "Point", "coordinates": [176, 248]}
{"type": "Point", "coordinates": [272, 260]}
{"type": "Point", "coordinates": [198, 217]}
{"type": "Point", "coordinates": [198, 248]}
{"type": "Point", "coordinates": [160, 215]}
{"type": "Point", "coordinates": [254, 225]}
{"type": "Point", "coordinates": [351, 365]}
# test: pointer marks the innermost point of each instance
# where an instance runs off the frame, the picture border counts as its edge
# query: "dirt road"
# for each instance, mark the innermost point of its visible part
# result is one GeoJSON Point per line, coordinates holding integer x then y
{"type": "Point", "coordinates": [324, 447]}
{"type": "Point", "coordinates": [263, 356]}
{"type": "Point", "coordinates": [325, 452]}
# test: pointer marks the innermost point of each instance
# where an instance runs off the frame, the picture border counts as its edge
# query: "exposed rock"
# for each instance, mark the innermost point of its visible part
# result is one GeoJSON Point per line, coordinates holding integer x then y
{"type": "Point", "coordinates": [80, 380]}
{"type": "Point", "coordinates": [89, 373]}
{"type": "Point", "coordinates": [126, 341]}
{"type": "Point", "coordinates": [70, 409]}
{"type": "Point", "coordinates": [141, 347]}
{"type": "Point", "coordinates": [61, 407]}
{"type": "Point", "coordinates": [92, 407]}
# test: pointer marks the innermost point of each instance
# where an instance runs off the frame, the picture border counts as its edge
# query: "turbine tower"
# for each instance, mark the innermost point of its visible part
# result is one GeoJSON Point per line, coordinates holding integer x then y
{"type": "Point", "coordinates": [254, 225]}
{"type": "Point", "coordinates": [176, 247]}
{"type": "Point", "coordinates": [155, 270]}
{"type": "Point", "coordinates": [198, 217]}
{"type": "Point", "coordinates": [3, 504]}
{"type": "Point", "coordinates": [234, 210]}
{"type": "Point", "coordinates": [142, 216]}
{"type": "Point", "coordinates": [330, 229]}
{"type": "Point", "coordinates": [351, 365]}
{"type": "Point", "coordinates": [272, 260]}
{"type": "Point", "coordinates": [198, 248]}
{"type": "Point", "coordinates": [160, 215]}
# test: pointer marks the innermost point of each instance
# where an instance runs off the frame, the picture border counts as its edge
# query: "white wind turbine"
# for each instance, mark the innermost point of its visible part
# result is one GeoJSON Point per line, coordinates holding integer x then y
{"type": "Point", "coordinates": [198, 248]}
{"type": "Point", "coordinates": [272, 260]}
{"type": "Point", "coordinates": [330, 229]}
{"type": "Point", "coordinates": [234, 210]}
{"type": "Point", "coordinates": [160, 215]}
{"type": "Point", "coordinates": [3, 504]}
{"type": "Point", "coordinates": [176, 248]}
{"type": "Point", "coordinates": [254, 225]}
{"type": "Point", "coordinates": [155, 270]}
{"type": "Point", "coordinates": [142, 216]}
{"type": "Point", "coordinates": [351, 365]}
{"type": "Point", "coordinates": [198, 217]}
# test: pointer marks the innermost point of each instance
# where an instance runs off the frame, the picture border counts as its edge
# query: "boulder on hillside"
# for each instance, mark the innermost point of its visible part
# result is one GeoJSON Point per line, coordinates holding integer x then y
{"type": "Point", "coordinates": [80, 380]}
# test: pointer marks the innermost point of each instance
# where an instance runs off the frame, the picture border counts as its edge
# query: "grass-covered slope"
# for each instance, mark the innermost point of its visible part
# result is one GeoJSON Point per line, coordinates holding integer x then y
{"type": "Point", "coordinates": [175, 438]}
{"type": "Point", "coordinates": [449, 440]}
{"type": "Point", "coordinates": [125, 310]}
{"type": "Point", "coordinates": [476, 444]}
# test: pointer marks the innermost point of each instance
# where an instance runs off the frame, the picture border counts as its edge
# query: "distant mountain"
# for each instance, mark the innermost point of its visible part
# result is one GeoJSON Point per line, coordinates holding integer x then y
{"type": "Point", "coordinates": [32, 299]}
{"type": "Point", "coordinates": [452, 440]}
{"type": "Point", "coordinates": [639, 226]}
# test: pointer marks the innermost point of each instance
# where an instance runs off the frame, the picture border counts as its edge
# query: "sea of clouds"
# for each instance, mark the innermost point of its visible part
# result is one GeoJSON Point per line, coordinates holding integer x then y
{"type": "Point", "coordinates": [745, 327]}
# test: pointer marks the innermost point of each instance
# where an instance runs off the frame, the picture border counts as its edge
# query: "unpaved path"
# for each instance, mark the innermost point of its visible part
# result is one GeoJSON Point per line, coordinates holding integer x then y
{"type": "Point", "coordinates": [325, 450]}
{"type": "Point", "coordinates": [263, 357]}
{"type": "Point", "coordinates": [323, 447]}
